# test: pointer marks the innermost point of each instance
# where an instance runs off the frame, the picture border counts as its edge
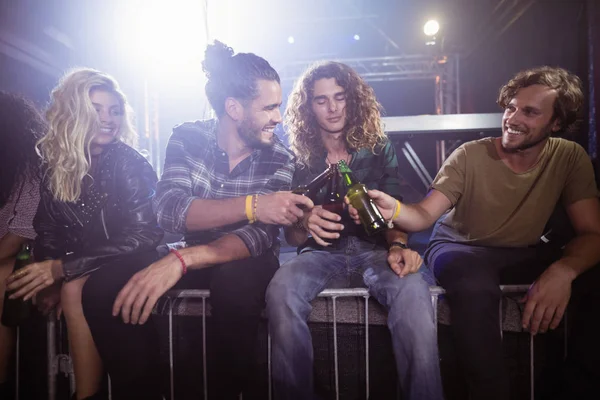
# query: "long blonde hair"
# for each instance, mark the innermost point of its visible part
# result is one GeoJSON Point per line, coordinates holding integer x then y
{"type": "Point", "coordinates": [72, 121]}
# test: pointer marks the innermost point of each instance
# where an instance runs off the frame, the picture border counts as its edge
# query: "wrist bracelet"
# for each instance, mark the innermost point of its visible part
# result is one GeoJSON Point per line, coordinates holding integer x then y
{"type": "Point", "coordinates": [183, 265]}
{"type": "Point", "coordinates": [396, 210]}
{"type": "Point", "coordinates": [399, 244]}
{"type": "Point", "coordinates": [249, 214]}
{"type": "Point", "coordinates": [255, 209]}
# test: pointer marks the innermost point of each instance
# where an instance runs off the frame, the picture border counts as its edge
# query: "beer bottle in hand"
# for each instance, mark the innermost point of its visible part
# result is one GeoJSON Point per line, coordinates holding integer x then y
{"type": "Point", "coordinates": [15, 311]}
{"type": "Point", "coordinates": [333, 201]}
{"type": "Point", "coordinates": [368, 213]}
{"type": "Point", "coordinates": [315, 185]}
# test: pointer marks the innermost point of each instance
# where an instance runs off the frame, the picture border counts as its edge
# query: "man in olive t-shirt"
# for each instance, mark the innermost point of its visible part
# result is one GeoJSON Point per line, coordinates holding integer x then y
{"type": "Point", "coordinates": [492, 205]}
{"type": "Point", "coordinates": [497, 195]}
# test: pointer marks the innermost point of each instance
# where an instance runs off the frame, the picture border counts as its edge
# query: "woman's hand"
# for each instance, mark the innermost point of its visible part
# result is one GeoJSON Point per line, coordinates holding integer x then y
{"type": "Point", "coordinates": [27, 281]}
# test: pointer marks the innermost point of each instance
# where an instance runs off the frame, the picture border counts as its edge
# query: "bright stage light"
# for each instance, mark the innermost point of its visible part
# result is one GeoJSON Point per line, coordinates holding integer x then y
{"type": "Point", "coordinates": [291, 40]}
{"type": "Point", "coordinates": [167, 38]}
{"type": "Point", "coordinates": [431, 27]}
{"type": "Point", "coordinates": [356, 37]}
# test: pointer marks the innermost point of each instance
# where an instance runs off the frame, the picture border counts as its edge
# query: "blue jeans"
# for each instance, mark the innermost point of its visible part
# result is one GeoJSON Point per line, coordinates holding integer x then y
{"type": "Point", "coordinates": [407, 300]}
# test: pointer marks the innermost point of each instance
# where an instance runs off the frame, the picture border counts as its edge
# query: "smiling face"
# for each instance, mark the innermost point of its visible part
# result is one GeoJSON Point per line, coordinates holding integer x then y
{"type": "Point", "coordinates": [261, 116]}
{"type": "Point", "coordinates": [329, 105]}
{"type": "Point", "coordinates": [110, 117]}
{"type": "Point", "coordinates": [528, 119]}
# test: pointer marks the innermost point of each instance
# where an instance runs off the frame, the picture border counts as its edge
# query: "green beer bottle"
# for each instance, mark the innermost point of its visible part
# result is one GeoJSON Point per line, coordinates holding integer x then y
{"type": "Point", "coordinates": [369, 214]}
{"type": "Point", "coordinates": [15, 311]}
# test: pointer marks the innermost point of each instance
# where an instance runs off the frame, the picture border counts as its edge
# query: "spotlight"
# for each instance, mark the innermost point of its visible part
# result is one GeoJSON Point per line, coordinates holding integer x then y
{"type": "Point", "coordinates": [431, 27]}
{"type": "Point", "coordinates": [291, 40]}
{"type": "Point", "coordinates": [357, 37]}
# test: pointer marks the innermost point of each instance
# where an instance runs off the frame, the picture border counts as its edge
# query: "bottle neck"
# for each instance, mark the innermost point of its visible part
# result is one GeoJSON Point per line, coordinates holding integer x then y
{"type": "Point", "coordinates": [25, 252]}
{"type": "Point", "coordinates": [319, 181]}
{"type": "Point", "coordinates": [349, 179]}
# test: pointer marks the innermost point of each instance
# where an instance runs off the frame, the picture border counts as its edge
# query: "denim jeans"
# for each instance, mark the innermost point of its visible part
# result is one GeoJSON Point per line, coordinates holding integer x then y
{"type": "Point", "coordinates": [407, 300]}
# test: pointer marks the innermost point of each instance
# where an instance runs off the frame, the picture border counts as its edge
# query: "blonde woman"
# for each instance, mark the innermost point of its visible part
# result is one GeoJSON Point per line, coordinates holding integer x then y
{"type": "Point", "coordinates": [95, 207]}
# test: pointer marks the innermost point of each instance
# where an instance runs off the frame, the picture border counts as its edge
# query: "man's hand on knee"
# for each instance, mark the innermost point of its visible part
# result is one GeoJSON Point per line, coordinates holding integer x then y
{"type": "Point", "coordinates": [547, 299]}
{"type": "Point", "coordinates": [138, 297]}
{"type": "Point", "coordinates": [404, 261]}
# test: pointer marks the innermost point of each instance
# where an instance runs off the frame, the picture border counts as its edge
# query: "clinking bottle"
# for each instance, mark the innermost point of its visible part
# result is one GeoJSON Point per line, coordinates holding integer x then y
{"type": "Point", "coordinates": [333, 201]}
{"type": "Point", "coordinates": [313, 187]}
{"type": "Point", "coordinates": [368, 213]}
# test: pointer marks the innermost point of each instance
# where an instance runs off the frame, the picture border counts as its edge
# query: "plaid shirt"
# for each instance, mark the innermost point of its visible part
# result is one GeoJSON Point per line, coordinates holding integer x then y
{"type": "Point", "coordinates": [196, 168]}
{"type": "Point", "coordinates": [376, 171]}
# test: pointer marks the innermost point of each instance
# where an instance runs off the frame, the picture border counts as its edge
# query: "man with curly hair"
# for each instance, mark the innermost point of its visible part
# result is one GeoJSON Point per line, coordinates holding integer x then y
{"type": "Point", "coordinates": [496, 197]}
{"type": "Point", "coordinates": [333, 115]}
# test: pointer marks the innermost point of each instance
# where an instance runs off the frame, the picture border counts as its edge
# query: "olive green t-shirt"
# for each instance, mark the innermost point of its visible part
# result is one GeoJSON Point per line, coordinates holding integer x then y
{"type": "Point", "coordinates": [494, 206]}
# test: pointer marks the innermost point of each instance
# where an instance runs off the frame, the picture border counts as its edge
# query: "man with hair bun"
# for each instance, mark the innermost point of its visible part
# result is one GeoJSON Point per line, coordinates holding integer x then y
{"type": "Point", "coordinates": [225, 188]}
{"type": "Point", "coordinates": [333, 115]}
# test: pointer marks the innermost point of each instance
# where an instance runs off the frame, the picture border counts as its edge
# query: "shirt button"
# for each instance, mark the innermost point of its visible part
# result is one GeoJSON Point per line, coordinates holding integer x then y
{"type": "Point", "coordinates": [222, 184]}
{"type": "Point", "coordinates": [223, 154]}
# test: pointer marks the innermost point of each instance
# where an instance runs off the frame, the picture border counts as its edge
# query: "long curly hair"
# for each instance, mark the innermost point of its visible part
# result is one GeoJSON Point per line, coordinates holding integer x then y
{"type": "Point", "coordinates": [21, 126]}
{"type": "Point", "coordinates": [72, 122]}
{"type": "Point", "coordinates": [364, 128]}
{"type": "Point", "coordinates": [569, 100]}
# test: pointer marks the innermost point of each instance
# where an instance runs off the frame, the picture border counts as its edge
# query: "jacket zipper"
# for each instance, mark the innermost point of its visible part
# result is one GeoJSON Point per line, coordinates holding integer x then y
{"type": "Point", "coordinates": [104, 223]}
{"type": "Point", "coordinates": [73, 214]}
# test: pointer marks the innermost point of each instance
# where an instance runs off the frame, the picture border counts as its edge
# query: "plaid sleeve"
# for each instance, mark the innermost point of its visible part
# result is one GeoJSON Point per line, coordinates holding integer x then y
{"type": "Point", "coordinates": [174, 191]}
{"type": "Point", "coordinates": [260, 237]}
{"type": "Point", "coordinates": [24, 211]}
{"type": "Point", "coordinates": [281, 180]}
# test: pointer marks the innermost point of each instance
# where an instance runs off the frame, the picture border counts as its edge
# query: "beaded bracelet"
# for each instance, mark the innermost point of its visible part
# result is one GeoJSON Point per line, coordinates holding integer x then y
{"type": "Point", "coordinates": [183, 265]}
{"type": "Point", "coordinates": [254, 210]}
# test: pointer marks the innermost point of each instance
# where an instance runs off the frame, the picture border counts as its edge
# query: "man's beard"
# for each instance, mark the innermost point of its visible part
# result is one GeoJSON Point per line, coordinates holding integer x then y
{"type": "Point", "coordinates": [547, 132]}
{"type": "Point", "coordinates": [253, 137]}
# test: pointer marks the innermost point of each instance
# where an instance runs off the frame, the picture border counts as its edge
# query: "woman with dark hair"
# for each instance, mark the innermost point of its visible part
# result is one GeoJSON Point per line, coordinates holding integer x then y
{"type": "Point", "coordinates": [20, 127]}
{"type": "Point", "coordinates": [95, 206]}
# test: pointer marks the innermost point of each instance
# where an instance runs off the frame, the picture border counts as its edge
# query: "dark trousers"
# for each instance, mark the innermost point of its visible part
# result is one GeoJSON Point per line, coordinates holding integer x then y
{"type": "Point", "coordinates": [131, 352]}
{"type": "Point", "coordinates": [471, 276]}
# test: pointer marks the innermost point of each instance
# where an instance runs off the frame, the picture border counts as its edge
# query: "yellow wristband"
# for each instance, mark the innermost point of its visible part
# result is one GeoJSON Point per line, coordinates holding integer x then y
{"type": "Point", "coordinates": [249, 213]}
{"type": "Point", "coordinates": [398, 206]}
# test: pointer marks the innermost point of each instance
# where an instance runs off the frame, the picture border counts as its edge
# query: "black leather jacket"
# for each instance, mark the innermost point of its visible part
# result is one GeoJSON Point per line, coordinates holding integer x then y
{"type": "Point", "coordinates": [112, 218]}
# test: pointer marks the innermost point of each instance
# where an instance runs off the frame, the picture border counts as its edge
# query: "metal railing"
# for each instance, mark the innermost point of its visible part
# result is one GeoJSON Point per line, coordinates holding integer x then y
{"type": "Point", "coordinates": [61, 362]}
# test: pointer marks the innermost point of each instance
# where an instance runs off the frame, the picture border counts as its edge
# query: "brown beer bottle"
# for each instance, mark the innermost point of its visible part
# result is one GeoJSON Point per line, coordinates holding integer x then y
{"type": "Point", "coordinates": [312, 188]}
{"type": "Point", "coordinates": [368, 213]}
{"type": "Point", "coordinates": [15, 311]}
{"type": "Point", "coordinates": [333, 201]}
